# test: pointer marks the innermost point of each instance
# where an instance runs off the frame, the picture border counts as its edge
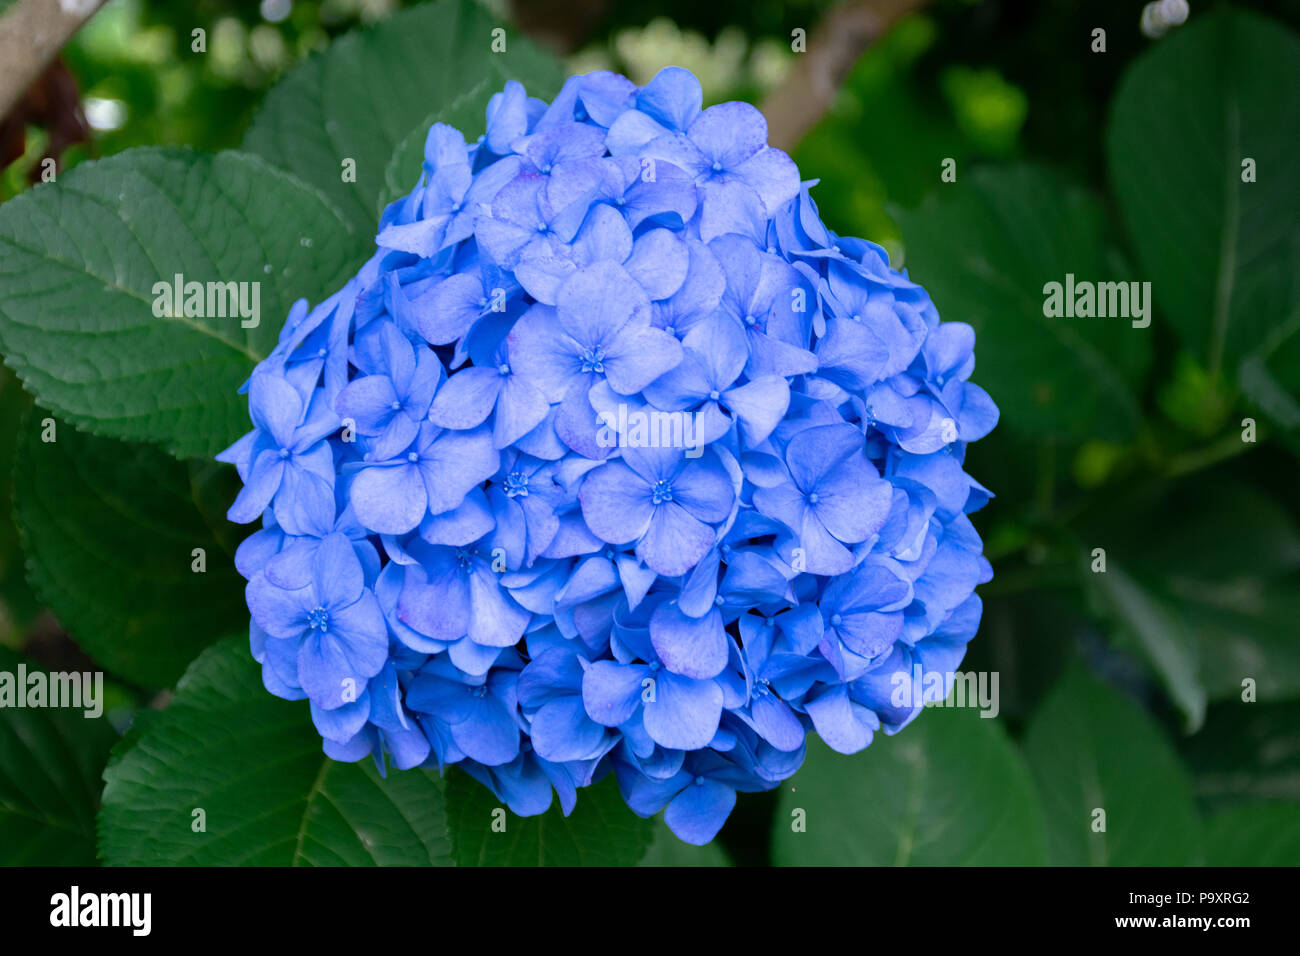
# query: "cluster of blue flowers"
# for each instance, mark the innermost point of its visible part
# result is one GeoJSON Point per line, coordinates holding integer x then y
{"type": "Point", "coordinates": [612, 458]}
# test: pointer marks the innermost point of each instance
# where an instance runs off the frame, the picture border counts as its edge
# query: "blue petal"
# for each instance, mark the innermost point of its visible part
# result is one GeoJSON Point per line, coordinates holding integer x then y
{"type": "Point", "coordinates": [699, 811]}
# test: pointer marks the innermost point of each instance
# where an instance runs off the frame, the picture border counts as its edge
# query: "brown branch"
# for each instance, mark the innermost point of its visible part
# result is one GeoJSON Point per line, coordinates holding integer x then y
{"type": "Point", "coordinates": [805, 96]}
{"type": "Point", "coordinates": [32, 32]}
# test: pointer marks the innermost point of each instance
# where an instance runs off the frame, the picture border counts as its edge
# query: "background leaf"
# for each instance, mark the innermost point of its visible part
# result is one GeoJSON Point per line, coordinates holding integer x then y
{"type": "Point", "coordinates": [363, 96]}
{"type": "Point", "coordinates": [984, 247]}
{"type": "Point", "coordinates": [1208, 602]}
{"type": "Point", "coordinates": [109, 529]}
{"type": "Point", "coordinates": [80, 260]}
{"type": "Point", "coordinates": [253, 763]}
{"type": "Point", "coordinates": [949, 789]}
{"type": "Point", "coordinates": [1221, 254]}
{"type": "Point", "coordinates": [1160, 633]}
{"type": "Point", "coordinates": [1246, 753]}
{"type": "Point", "coordinates": [18, 606]}
{"type": "Point", "coordinates": [1089, 749]}
{"type": "Point", "coordinates": [601, 831]}
{"type": "Point", "coordinates": [50, 762]}
{"type": "Point", "coordinates": [1259, 835]}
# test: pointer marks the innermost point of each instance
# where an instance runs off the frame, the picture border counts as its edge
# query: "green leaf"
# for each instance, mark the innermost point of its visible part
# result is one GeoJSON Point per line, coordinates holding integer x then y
{"type": "Point", "coordinates": [1211, 602]}
{"type": "Point", "coordinates": [985, 247]}
{"type": "Point", "coordinates": [109, 530]}
{"type": "Point", "coordinates": [1091, 749]}
{"type": "Point", "coordinates": [1160, 633]}
{"type": "Point", "coordinates": [1247, 752]}
{"type": "Point", "coordinates": [1258, 835]}
{"type": "Point", "coordinates": [79, 260]}
{"type": "Point", "coordinates": [1262, 378]}
{"type": "Point", "coordinates": [50, 762]}
{"type": "Point", "coordinates": [1220, 253]}
{"type": "Point", "coordinates": [666, 849]}
{"type": "Point", "coordinates": [601, 831]}
{"type": "Point", "coordinates": [253, 764]}
{"type": "Point", "coordinates": [366, 93]}
{"type": "Point", "coordinates": [18, 606]}
{"type": "Point", "coordinates": [948, 790]}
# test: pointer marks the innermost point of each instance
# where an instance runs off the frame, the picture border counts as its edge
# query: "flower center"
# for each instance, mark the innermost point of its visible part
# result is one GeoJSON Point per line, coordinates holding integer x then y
{"type": "Point", "coordinates": [836, 620]}
{"type": "Point", "coordinates": [503, 369]}
{"type": "Point", "coordinates": [593, 359]}
{"type": "Point", "coordinates": [813, 498]}
{"type": "Point", "coordinates": [714, 395]}
{"type": "Point", "coordinates": [318, 619]}
{"type": "Point", "coordinates": [761, 687]}
{"type": "Point", "coordinates": [516, 484]}
{"type": "Point", "coordinates": [662, 491]}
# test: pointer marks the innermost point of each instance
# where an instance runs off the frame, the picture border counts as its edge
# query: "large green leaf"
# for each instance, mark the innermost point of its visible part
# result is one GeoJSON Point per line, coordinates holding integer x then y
{"type": "Point", "coordinates": [1092, 750]}
{"type": "Point", "coordinates": [601, 831]}
{"type": "Point", "coordinates": [949, 789]}
{"type": "Point", "coordinates": [79, 260]}
{"type": "Point", "coordinates": [109, 530]}
{"type": "Point", "coordinates": [364, 95]}
{"type": "Point", "coordinates": [985, 247]}
{"type": "Point", "coordinates": [1265, 834]}
{"type": "Point", "coordinates": [253, 764]}
{"type": "Point", "coordinates": [1221, 254]}
{"type": "Point", "coordinates": [50, 762]}
{"type": "Point", "coordinates": [1210, 603]}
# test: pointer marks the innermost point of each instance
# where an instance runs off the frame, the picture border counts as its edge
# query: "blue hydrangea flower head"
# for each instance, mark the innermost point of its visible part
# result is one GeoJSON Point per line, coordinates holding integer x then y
{"type": "Point", "coordinates": [613, 458]}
